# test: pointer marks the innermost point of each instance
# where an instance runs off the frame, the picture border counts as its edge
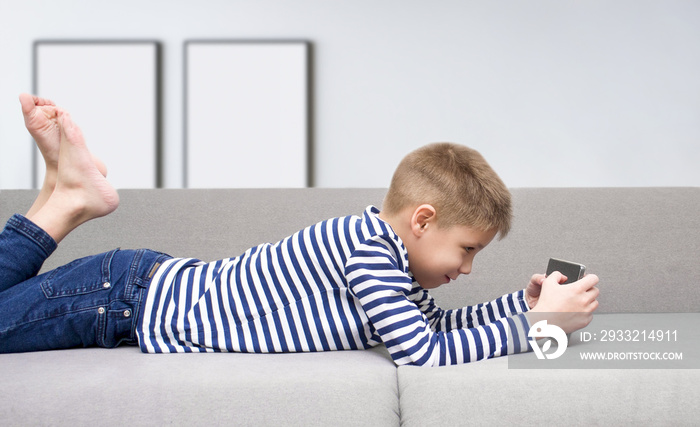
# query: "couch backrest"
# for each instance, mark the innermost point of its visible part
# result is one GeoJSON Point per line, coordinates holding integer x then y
{"type": "Point", "coordinates": [642, 242]}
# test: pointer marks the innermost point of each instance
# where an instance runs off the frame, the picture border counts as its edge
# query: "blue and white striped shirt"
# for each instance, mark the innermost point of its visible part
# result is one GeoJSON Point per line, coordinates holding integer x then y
{"type": "Point", "coordinates": [343, 283]}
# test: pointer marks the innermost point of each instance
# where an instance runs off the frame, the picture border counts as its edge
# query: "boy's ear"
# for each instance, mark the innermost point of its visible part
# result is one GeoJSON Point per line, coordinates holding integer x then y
{"type": "Point", "coordinates": [423, 215]}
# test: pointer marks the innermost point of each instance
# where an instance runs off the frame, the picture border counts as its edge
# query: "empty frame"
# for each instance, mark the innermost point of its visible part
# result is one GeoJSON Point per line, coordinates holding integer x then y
{"type": "Point", "coordinates": [246, 114]}
{"type": "Point", "coordinates": [112, 90]}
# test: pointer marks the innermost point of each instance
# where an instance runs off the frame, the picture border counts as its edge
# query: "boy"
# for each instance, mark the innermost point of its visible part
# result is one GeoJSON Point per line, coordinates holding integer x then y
{"type": "Point", "coordinates": [345, 283]}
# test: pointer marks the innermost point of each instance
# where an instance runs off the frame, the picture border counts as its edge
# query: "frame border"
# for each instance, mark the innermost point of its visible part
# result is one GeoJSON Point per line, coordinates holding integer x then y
{"type": "Point", "coordinates": [158, 79]}
{"type": "Point", "coordinates": [310, 136]}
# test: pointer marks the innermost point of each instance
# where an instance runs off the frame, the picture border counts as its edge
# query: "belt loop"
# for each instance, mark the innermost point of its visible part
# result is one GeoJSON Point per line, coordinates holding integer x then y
{"type": "Point", "coordinates": [133, 269]}
{"type": "Point", "coordinates": [106, 263]}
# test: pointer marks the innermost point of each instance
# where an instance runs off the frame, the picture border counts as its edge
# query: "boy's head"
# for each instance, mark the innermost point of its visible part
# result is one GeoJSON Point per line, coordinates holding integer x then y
{"type": "Point", "coordinates": [457, 182]}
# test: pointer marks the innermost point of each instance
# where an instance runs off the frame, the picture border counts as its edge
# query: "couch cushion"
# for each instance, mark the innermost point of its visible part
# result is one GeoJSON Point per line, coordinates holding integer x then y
{"type": "Point", "coordinates": [488, 393]}
{"type": "Point", "coordinates": [494, 392]}
{"type": "Point", "coordinates": [125, 387]}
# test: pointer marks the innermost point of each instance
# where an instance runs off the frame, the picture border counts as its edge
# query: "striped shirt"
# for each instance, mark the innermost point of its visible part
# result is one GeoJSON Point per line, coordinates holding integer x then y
{"type": "Point", "coordinates": [343, 283]}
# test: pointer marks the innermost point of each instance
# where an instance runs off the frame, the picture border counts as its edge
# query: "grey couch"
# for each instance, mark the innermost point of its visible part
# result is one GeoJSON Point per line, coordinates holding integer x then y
{"type": "Point", "coordinates": [642, 242]}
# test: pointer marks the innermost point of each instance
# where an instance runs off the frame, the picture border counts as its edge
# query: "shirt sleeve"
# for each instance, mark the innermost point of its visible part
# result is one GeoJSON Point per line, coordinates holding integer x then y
{"type": "Point", "coordinates": [467, 317]}
{"type": "Point", "coordinates": [380, 280]}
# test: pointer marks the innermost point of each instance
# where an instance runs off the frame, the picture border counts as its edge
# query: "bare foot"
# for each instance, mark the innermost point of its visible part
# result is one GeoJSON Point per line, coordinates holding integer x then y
{"type": "Point", "coordinates": [41, 120]}
{"type": "Point", "coordinates": [82, 193]}
{"type": "Point", "coordinates": [77, 172]}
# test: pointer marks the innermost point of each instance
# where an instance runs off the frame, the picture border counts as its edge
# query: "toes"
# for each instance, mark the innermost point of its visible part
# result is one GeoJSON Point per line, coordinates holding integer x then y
{"type": "Point", "coordinates": [30, 101]}
{"type": "Point", "coordinates": [43, 101]}
{"type": "Point", "coordinates": [27, 102]}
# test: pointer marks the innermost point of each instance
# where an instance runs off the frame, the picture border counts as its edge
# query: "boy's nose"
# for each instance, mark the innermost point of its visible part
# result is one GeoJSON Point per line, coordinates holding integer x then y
{"type": "Point", "coordinates": [466, 268]}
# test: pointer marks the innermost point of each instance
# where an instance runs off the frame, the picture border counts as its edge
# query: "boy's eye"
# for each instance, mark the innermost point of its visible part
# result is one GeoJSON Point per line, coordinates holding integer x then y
{"type": "Point", "coordinates": [469, 249]}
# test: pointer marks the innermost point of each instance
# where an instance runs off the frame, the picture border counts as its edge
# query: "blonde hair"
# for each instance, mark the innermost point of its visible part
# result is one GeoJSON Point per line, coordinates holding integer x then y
{"type": "Point", "coordinates": [457, 181]}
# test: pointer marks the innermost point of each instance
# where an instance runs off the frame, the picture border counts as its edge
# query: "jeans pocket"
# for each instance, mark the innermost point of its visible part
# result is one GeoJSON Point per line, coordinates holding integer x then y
{"type": "Point", "coordinates": [80, 277]}
{"type": "Point", "coordinates": [78, 296]}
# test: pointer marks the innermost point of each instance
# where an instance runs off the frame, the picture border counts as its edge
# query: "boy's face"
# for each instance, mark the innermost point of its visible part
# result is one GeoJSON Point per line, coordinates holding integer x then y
{"type": "Point", "coordinates": [439, 255]}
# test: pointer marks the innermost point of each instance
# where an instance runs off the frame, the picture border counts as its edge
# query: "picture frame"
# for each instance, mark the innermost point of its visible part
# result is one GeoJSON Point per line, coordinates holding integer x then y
{"type": "Point", "coordinates": [112, 88]}
{"type": "Point", "coordinates": [247, 114]}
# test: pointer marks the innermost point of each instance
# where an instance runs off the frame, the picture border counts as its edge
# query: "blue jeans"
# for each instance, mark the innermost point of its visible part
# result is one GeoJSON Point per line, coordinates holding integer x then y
{"type": "Point", "coordinates": [92, 301]}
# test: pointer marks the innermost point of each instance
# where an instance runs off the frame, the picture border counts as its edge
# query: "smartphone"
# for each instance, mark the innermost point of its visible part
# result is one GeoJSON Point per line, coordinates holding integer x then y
{"type": "Point", "coordinates": [572, 270]}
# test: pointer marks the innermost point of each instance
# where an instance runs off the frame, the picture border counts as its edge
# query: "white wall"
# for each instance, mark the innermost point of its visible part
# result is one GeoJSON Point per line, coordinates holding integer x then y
{"type": "Point", "coordinates": [553, 93]}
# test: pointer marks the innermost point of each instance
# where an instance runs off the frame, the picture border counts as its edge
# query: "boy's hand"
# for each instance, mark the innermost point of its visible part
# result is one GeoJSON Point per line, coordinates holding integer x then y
{"type": "Point", "coordinates": [576, 301]}
{"type": "Point", "coordinates": [532, 292]}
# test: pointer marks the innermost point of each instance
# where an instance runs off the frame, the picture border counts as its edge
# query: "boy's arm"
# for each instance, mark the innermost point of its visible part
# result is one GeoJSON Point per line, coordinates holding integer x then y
{"type": "Point", "coordinates": [470, 316]}
{"type": "Point", "coordinates": [378, 279]}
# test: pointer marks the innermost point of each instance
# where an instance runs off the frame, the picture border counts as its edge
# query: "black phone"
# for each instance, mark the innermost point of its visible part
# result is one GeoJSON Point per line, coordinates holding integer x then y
{"type": "Point", "coordinates": [572, 270]}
